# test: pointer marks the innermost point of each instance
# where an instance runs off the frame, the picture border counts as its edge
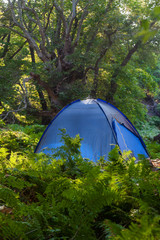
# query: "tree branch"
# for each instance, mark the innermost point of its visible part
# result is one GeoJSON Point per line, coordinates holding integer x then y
{"type": "Point", "coordinates": [38, 23]}
{"type": "Point", "coordinates": [14, 16]}
{"type": "Point", "coordinates": [13, 30]}
{"type": "Point", "coordinates": [103, 52]}
{"type": "Point", "coordinates": [61, 15]}
{"type": "Point", "coordinates": [96, 68]}
{"type": "Point", "coordinates": [36, 77]}
{"type": "Point", "coordinates": [24, 100]}
{"type": "Point", "coordinates": [58, 30]}
{"type": "Point", "coordinates": [6, 46]}
{"type": "Point", "coordinates": [113, 86]}
{"type": "Point", "coordinates": [74, 5]}
{"type": "Point", "coordinates": [19, 49]}
{"type": "Point", "coordinates": [4, 37]}
{"type": "Point", "coordinates": [84, 14]}
{"type": "Point", "coordinates": [43, 56]}
{"type": "Point", "coordinates": [48, 17]}
{"type": "Point", "coordinates": [20, 13]}
{"type": "Point", "coordinates": [130, 53]}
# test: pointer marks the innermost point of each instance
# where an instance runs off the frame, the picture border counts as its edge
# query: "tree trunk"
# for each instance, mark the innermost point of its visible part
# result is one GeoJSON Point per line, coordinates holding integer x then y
{"type": "Point", "coordinates": [45, 120]}
{"type": "Point", "coordinates": [95, 83]}
{"type": "Point", "coordinates": [113, 87]}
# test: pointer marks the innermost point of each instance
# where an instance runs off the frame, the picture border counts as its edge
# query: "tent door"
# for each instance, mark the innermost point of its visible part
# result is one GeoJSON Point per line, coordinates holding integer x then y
{"type": "Point", "coordinates": [127, 140]}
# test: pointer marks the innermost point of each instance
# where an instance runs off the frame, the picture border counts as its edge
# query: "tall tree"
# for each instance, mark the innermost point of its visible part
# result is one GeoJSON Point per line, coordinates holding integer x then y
{"type": "Point", "coordinates": [76, 40]}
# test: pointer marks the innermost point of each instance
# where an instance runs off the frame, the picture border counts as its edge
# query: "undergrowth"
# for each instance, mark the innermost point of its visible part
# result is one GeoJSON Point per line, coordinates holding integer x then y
{"type": "Point", "coordinates": [148, 130]}
{"type": "Point", "coordinates": [64, 196]}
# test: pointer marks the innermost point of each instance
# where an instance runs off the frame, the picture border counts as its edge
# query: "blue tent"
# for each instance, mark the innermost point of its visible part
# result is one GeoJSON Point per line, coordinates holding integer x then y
{"type": "Point", "coordinates": [100, 124]}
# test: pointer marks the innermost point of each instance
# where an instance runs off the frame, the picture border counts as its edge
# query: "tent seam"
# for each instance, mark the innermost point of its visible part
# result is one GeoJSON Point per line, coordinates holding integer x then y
{"type": "Point", "coordinates": [114, 135]}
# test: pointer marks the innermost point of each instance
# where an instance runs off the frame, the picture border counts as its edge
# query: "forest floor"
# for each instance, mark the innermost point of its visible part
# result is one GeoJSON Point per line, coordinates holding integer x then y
{"type": "Point", "coordinates": [156, 163]}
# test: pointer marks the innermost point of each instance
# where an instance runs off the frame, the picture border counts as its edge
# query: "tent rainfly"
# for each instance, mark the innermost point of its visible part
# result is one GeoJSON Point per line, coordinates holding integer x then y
{"type": "Point", "coordinates": [100, 124]}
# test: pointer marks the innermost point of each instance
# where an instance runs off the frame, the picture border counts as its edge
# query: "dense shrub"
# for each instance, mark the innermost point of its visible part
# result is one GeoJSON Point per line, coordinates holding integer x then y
{"type": "Point", "coordinates": [64, 196]}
